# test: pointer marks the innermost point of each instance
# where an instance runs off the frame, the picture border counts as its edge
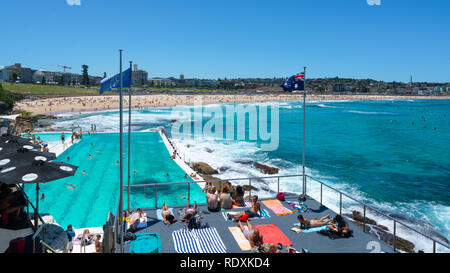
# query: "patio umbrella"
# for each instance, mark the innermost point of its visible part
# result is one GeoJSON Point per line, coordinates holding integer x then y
{"type": "Point", "coordinates": [8, 137]}
{"type": "Point", "coordinates": [13, 145]}
{"type": "Point", "coordinates": [36, 172]}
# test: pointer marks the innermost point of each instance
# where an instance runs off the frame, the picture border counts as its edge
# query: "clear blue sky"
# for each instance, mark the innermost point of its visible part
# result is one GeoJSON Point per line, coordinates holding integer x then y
{"type": "Point", "coordinates": [233, 38]}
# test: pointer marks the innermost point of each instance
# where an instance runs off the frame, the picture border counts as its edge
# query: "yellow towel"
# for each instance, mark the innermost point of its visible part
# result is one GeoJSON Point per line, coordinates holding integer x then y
{"type": "Point", "coordinates": [277, 207]}
{"type": "Point", "coordinates": [243, 243]}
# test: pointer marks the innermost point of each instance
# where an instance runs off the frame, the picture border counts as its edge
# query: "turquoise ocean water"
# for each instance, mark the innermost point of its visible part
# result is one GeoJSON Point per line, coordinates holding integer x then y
{"type": "Point", "coordinates": [391, 154]}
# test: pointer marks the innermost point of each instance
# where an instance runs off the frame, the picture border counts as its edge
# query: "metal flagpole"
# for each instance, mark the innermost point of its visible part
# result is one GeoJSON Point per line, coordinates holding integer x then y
{"type": "Point", "coordinates": [129, 133]}
{"type": "Point", "coordinates": [304, 119]}
{"type": "Point", "coordinates": [121, 161]}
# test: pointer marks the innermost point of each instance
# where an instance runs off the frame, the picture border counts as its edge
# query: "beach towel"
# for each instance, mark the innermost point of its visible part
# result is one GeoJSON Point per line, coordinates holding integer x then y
{"type": "Point", "coordinates": [299, 207]}
{"type": "Point", "coordinates": [264, 215]}
{"type": "Point", "coordinates": [247, 204]}
{"type": "Point", "coordinates": [273, 235]}
{"type": "Point", "coordinates": [308, 230]}
{"type": "Point", "coordinates": [243, 243]}
{"type": "Point", "coordinates": [276, 206]}
{"type": "Point", "coordinates": [159, 216]}
{"type": "Point", "coordinates": [146, 243]}
{"type": "Point", "coordinates": [205, 240]}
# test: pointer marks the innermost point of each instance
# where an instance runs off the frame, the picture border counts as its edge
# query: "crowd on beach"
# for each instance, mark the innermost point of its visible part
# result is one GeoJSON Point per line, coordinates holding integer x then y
{"type": "Point", "coordinates": [106, 102]}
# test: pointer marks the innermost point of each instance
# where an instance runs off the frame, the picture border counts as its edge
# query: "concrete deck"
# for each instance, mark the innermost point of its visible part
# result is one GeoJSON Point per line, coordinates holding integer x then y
{"type": "Point", "coordinates": [313, 242]}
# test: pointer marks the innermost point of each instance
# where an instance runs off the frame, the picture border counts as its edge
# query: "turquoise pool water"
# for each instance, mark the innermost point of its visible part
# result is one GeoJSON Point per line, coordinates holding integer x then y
{"type": "Point", "coordinates": [97, 192]}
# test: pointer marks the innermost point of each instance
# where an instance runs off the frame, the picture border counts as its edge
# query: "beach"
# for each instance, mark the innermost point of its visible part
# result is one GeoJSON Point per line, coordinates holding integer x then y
{"type": "Point", "coordinates": [98, 103]}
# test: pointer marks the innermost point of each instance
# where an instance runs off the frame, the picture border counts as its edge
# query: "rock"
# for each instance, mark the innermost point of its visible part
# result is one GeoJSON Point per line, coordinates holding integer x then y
{"type": "Point", "coordinates": [266, 169]}
{"type": "Point", "coordinates": [223, 169]}
{"type": "Point", "coordinates": [358, 217]}
{"type": "Point", "coordinates": [204, 168]}
{"type": "Point", "coordinates": [46, 124]}
{"type": "Point", "coordinates": [208, 150]}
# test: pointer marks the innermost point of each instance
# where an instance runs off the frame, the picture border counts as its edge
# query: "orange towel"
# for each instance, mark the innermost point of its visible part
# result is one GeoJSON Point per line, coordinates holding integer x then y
{"type": "Point", "coordinates": [273, 235]}
{"type": "Point", "coordinates": [277, 207]}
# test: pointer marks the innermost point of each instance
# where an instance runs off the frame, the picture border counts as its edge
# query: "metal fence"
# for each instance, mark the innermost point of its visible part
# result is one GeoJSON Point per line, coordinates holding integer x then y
{"type": "Point", "coordinates": [278, 180]}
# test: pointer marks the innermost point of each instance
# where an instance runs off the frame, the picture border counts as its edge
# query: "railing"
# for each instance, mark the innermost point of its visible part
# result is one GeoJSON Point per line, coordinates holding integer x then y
{"type": "Point", "coordinates": [278, 179]}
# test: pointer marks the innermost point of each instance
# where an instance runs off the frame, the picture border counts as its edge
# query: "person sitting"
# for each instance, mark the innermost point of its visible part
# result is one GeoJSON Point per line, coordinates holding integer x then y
{"type": "Point", "coordinates": [167, 215]}
{"type": "Point", "coordinates": [225, 199]}
{"type": "Point", "coordinates": [212, 198]}
{"type": "Point", "coordinates": [251, 234]}
{"type": "Point", "coordinates": [189, 212]}
{"type": "Point", "coordinates": [239, 197]}
{"type": "Point", "coordinates": [87, 238]}
{"type": "Point", "coordinates": [98, 244]}
{"type": "Point", "coordinates": [207, 187]}
{"type": "Point", "coordinates": [339, 226]}
{"type": "Point", "coordinates": [252, 212]}
{"type": "Point", "coordinates": [314, 222]}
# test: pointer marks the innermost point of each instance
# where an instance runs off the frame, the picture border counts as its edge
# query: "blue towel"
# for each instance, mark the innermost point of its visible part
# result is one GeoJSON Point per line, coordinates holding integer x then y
{"type": "Point", "coordinates": [314, 229]}
{"type": "Point", "coordinates": [146, 243]}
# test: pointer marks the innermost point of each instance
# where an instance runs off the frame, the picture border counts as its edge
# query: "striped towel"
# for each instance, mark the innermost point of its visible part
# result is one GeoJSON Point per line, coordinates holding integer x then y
{"type": "Point", "coordinates": [276, 206]}
{"type": "Point", "coordinates": [205, 240]}
{"type": "Point", "coordinates": [264, 215]}
{"type": "Point", "coordinates": [247, 204]}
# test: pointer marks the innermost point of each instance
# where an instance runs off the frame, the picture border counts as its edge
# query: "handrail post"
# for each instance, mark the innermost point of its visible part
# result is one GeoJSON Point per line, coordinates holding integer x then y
{"type": "Point", "coordinates": [340, 203]}
{"type": "Point", "coordinates": [321, 186]}
{"type": "Point", "coordinates": [434, 246]}
{"type": "Point", "coordinates": [395, 234]}
{"type": "Point", "coordinates": [250, 186]}
{"type": "Point", "coordinates": [278, 185]}
{"type": "Point", "coordinates": [364, 219]}
{"type": "Point", "coordinates": [156, 196]}
{"type": "Point", "coordinates": [189, 192]}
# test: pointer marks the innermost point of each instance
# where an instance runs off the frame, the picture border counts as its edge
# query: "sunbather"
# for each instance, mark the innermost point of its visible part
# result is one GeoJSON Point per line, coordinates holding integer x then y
{"type": "Point", "coordinates": [239, 197]}
{"type": "Point", "coordinates": [167, 215]}
{"type": "Point", "coordinates": [252, 212]}
{"type": "Point", "coordinates": [136, 216]}
{"type": "Point", "coordinates": [339, 226]}
{"type": "Point", "coordinates": [189, 211]}
{"type": "Point", "coordinates": [314, 222]}
{"type": "Point", "coordinates": [253, 236]}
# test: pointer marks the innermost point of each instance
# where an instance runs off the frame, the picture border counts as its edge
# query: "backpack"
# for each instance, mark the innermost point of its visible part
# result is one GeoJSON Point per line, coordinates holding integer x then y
{"type": "Point", "coordinates": [193, 223]}
{"type": "Point", "coordinates": [280, 196]}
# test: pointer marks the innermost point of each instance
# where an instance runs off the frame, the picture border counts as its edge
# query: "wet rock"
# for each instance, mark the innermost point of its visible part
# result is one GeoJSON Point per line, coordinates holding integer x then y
{"type": "Point", "coordinates": [266, 169]}
{"type": "Point", "coordinates": [204, 168]}
{"type": "Point", "coordinates": [358, 217]}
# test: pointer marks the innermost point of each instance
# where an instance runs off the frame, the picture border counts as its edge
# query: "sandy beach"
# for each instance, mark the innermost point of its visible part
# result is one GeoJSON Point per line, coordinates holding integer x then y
{"type": "Point", "coordinates": [98, 103]}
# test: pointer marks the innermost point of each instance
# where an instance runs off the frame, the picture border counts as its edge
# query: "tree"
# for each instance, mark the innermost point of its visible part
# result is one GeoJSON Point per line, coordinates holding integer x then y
{"type": "Point", "coordinates": [85, 74]}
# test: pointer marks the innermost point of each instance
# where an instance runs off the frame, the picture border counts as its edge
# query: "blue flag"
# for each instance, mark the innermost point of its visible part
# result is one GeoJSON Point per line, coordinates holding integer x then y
{"type": "Point", "coordinates": [107, 84]}
{"type": "Point", "coordinates": [296, 82]}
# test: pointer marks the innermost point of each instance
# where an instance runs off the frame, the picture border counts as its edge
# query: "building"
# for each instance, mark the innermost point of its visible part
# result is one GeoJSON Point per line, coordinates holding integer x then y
{"type": "Point", "coordinates": [19, 73]}
{"type": "Point", "coordinates": [41, 76]}
{"type": "Point", "coordinates": [139, 77]}
{"type": "Point", "coordinates": [4, 75]}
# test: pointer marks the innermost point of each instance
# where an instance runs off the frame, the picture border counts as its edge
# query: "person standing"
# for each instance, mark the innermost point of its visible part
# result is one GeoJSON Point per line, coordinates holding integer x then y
{"type": "Point", "coordinates": [70, 235]}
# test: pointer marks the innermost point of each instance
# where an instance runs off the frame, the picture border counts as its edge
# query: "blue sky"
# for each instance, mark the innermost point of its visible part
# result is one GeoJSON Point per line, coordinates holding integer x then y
{"type": "Point", "coordinates": [233, 38]}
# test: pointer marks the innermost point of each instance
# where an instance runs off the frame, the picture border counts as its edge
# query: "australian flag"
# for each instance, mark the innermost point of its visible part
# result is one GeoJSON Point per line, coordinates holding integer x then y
{"type": "Point", "coordinates": [295, 82]}
{"type": "Point", "coordinates": [107, 84]}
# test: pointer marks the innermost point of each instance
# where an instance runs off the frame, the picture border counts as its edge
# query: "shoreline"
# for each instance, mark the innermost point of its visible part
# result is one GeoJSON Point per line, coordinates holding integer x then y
{"type": "Point", "coordinates": [80, 104]}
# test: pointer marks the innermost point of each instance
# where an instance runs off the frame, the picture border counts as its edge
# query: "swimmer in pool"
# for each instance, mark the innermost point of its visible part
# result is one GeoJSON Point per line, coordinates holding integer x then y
{"type": "Point", "coordinates": [72, 186]}
{"type": "Point", "coordinates": [90, 156]}
{"type": "Point", "coordinates": [83, 173]}
{"type": "Point", "coordinates": [117, 162]}
{"type": "Point", "coordinates": [43, 196]}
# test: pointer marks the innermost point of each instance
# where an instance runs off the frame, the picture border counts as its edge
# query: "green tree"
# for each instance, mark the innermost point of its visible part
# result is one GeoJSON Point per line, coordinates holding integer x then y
{"type": "Point", "coordinates": [85, 74]}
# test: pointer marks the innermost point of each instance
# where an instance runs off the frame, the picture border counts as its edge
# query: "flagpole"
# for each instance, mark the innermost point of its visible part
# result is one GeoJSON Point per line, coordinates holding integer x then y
{"type": "Point", "coordinates": [121, 161]}
{"type": "Point", "coordinates": [304, 119]}
{"type": "Point", "coordinates": [129, 133]}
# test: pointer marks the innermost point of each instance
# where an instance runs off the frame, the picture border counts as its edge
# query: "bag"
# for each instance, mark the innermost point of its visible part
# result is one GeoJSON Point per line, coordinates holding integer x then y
{"type": "Point", "coordinates": [17, 245]}
{"type": "Point", "coordinates": [280, 196]}
{"type": "Point", "coordinates": [128, 236]}
{"type": "Point", "coordinates": [244, 218]}
{"type": "Point", "coordinates": [192, 223]}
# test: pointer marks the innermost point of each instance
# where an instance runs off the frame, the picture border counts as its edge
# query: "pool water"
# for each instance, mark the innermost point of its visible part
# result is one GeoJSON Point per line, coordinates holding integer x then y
{"type": "Point", "coordinates": [97, 192]}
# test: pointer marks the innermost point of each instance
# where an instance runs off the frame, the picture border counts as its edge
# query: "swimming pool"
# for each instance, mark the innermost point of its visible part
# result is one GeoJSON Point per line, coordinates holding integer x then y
{"type": "Point", "coordinates": [96, 192]}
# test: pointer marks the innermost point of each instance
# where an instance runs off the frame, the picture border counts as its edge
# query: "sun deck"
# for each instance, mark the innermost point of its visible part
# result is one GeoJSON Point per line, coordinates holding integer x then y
{"type": "Point", "coordinates": [313, 242]}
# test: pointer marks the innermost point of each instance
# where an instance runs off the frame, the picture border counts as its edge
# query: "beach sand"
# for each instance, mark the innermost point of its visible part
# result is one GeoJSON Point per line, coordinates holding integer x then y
{"type": "Point", "coordinates": [98, 103]}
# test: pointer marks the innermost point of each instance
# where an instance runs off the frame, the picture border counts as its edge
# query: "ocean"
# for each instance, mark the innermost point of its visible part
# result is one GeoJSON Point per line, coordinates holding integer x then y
{"type": "Point", "coordinates": [393, 155]}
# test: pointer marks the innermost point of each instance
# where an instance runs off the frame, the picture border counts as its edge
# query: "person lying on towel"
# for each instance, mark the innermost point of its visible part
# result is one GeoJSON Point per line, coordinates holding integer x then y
{"type": "Point", "coordinates": [314, 222]}
{"type": "Point", "coordinates": [252, 235]}
{"type": "Point", "coordinates": [252, 212]}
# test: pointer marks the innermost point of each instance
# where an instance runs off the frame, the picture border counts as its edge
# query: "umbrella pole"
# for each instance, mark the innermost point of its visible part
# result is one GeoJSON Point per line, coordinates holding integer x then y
{"type": "Point", "coordinates": [36, 211]}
